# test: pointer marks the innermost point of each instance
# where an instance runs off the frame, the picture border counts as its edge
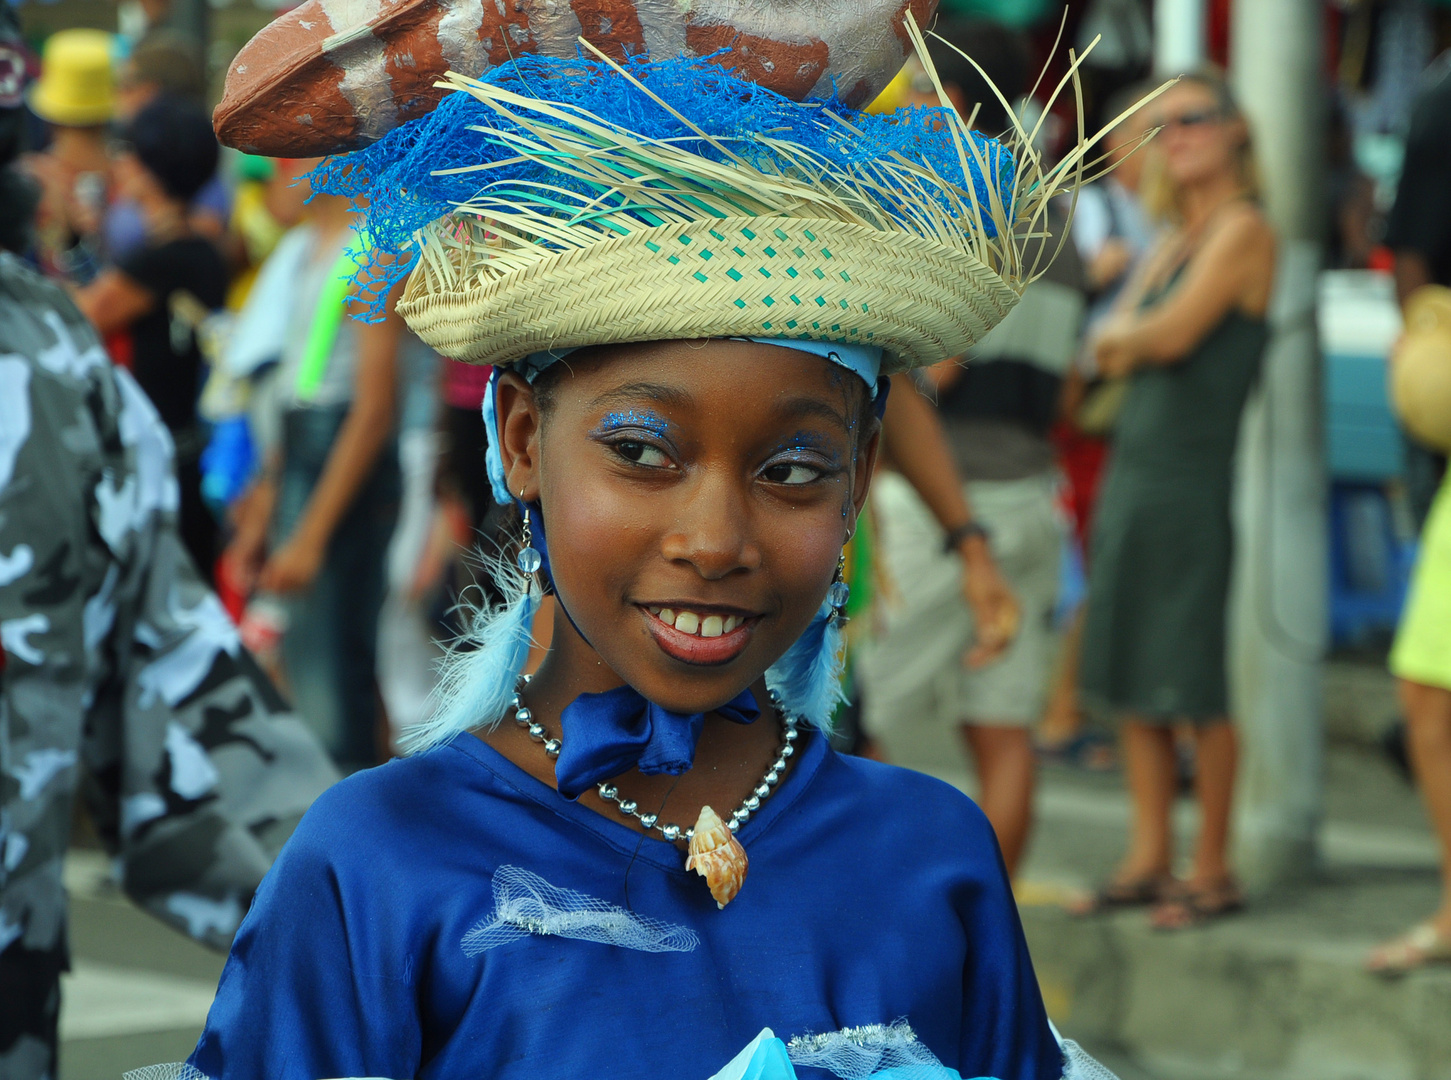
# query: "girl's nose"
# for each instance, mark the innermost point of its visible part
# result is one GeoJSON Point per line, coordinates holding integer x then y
{"type": "Point", "coordinates": [711, 530]}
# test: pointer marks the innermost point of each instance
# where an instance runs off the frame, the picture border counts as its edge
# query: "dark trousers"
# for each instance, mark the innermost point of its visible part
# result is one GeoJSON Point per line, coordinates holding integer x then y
{"type": "Point", "coordinates": [329, 649]}
{"type": "Point", "coordinates": [30, 1010]}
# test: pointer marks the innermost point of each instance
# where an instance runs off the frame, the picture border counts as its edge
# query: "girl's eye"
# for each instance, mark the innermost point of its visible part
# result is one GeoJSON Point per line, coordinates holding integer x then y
{"type": "Point", "coordinates": [642, 454]}
{"type": "Point", "coordinates": [789, 472]}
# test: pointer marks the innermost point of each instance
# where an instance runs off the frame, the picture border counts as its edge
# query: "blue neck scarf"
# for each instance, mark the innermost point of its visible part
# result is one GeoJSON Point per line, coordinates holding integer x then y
{"type": "Point", "coordinates": [607, 734]}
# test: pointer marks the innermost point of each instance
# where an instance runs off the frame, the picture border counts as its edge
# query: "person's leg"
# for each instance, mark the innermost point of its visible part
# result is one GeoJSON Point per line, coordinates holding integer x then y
{"type": "Point", "coordinates": [1152, 781]}
{"type": "Point", "coordinates": [1216, 756]}
{"type": "Point", "coordinates": [1428, 730]}
{"type": "Point", "coordinates": [1006, 773]}
{"type": "Point", "coordinates": [30, 991]}
{"type": "Point", "coordinates": [1061, 720]}
{"type": "Point", "coordinates": [358, 571]}
{"type": "Point", "coordinates": [1428, 733]}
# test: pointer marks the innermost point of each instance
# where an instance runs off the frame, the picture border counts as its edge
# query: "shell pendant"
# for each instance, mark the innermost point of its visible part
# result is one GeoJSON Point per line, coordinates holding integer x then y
{"type": "Point", "coordinates": [717, 856]}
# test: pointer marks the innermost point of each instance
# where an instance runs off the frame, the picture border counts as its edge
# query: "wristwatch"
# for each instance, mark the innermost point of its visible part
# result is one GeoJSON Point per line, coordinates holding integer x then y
{"type": "Point", "coordinates": [967, 529]}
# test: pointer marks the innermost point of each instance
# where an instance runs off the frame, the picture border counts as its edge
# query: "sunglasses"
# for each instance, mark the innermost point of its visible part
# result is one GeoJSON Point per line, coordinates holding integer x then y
{"type": "Point", "coordinates": [1199, 118]}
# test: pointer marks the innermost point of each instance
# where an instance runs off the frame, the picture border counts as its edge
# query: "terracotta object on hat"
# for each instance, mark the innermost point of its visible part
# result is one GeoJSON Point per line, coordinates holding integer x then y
{"type": "Point", "coordinates": [335, 75]}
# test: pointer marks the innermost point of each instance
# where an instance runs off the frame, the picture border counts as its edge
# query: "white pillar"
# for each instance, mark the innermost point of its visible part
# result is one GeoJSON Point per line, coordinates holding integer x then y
{"type": "Point", "coordinates": [1279, 612]}
{"type": "Point", "coordinates": [1178, 36]}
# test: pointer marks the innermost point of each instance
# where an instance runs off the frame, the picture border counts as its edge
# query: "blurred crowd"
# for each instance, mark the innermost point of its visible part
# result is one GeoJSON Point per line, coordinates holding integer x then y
{"type": "Point", "coordinates": [1050, 542]}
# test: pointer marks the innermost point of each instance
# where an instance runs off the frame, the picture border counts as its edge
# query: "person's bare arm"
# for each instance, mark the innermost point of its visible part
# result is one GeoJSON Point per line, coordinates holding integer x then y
{"type": "Point", "coordinates": [1412, 271]}
{"type": "Point", "coordinates": [917, 446]}
{"type": "Point", "coordinates": [114, 300]}
{"type": "Point", "coordinates": [1232, 270]}
{"type": "Point", "coordinates": [354, 452]}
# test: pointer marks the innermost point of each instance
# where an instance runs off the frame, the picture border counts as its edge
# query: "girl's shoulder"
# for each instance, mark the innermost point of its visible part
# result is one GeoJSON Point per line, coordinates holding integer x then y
{"type": "Point", "coordinates": [398, 806]}
{"type": "Point", "coordinates": [899, 806]}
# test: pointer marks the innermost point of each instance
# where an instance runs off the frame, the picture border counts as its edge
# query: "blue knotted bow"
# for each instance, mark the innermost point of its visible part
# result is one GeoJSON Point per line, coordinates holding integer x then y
{"type": "Point", "coordinates": [607, 734]}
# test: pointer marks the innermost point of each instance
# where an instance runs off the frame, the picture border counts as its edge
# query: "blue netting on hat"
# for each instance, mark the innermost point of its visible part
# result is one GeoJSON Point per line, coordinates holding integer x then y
{"type": "Point", "coordinates": [403, 181]}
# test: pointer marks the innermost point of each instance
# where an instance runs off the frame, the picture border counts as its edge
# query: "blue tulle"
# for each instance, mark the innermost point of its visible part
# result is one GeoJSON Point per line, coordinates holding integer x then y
{"type": "Point", "coordinates": [478, 676]}
{"type": "Point", "coordinates": [807, 680]}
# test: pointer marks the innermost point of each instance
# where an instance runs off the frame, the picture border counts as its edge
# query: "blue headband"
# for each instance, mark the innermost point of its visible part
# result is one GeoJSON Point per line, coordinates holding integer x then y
{"type": "Point", "coordinates": [864, 361]}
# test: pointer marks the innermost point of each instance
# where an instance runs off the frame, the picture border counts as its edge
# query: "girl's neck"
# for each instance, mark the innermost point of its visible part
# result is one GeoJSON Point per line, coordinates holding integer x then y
{"type": "Point", "coordinates": [730, 758]}
{"type": "Point", "coordinates": [1199, 202]}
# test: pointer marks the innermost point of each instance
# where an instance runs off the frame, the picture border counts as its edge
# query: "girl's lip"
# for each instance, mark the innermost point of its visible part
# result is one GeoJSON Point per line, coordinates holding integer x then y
{"type": "Point", "coordinates": [692, 649]}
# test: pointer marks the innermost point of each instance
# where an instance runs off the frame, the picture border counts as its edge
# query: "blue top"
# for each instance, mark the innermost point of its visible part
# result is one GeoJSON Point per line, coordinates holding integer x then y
{"type": "Point", "coordinates": [874, 894]}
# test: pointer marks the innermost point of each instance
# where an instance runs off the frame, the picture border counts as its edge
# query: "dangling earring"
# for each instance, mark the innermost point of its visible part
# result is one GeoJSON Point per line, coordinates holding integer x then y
{"type": "Point", "coordinates": [529, 559]}
{"type": "Point", "coordinates": [807, 680]}
{"type": "Point", "coordinates": [840, 591]}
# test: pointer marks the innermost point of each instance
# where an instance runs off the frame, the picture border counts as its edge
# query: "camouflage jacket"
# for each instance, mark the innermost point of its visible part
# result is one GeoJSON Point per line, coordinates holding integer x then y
{"type": "Point", "coordinates": [122, 675]}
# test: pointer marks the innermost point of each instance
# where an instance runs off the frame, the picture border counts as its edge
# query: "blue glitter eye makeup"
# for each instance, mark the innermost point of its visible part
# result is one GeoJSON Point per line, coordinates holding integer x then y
{"type": "Point", "coordinates": [814, 442]}
{"type": "Point", "coordinates": [647, 422]}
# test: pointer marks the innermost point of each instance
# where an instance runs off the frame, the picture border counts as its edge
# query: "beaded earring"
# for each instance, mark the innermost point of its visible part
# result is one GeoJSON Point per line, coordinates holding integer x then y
{"type": "Point", "coordinates": [529, 559]}
{"type": "Point", "coordinates": [840, 592]}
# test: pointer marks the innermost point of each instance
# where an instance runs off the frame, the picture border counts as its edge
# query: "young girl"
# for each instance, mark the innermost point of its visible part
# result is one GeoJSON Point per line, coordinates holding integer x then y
{"type": "Point", "coordinates": [693, 290]}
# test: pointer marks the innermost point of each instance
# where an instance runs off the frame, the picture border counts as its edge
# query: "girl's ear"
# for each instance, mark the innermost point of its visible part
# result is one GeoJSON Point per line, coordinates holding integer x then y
{"type": "Point", "coordinates": [517, 413]}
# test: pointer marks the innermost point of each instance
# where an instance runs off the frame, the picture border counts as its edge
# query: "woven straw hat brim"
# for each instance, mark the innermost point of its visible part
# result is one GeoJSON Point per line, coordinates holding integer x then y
{"type": "Point", "coordinates": [919, 300]}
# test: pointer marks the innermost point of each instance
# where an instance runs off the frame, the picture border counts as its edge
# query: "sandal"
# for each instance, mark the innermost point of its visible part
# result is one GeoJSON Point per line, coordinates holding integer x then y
{"type": "Point", "coordinates": [1116, 895]}
{"type": "Point", "coordinates": [1087, 751]}
{"type": "Point", "coordinates": [1189, 907]}
{"type": "Point", "coordinates": [1419, 946]}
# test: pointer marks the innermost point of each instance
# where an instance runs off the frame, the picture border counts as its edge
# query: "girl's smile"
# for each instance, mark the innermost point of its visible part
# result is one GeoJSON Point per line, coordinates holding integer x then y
{"type": "Point", "coordinates": [699, 633]}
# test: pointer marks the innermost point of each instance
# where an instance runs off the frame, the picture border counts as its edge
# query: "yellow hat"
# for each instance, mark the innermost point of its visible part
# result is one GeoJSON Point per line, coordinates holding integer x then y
{"type": "Point", "coordinates": [76, 87]}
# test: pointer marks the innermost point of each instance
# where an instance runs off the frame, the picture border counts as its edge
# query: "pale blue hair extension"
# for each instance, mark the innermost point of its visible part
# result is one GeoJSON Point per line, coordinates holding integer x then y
{"type": "Point", "coordinates": [493, 460]}
{"type": "Point", "coordinates": [478, 674]}
{"type": "Point", "coordinates": [807, 680]}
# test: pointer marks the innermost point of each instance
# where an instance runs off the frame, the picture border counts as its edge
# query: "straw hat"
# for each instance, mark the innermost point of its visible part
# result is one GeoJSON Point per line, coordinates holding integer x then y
{"type": "Point", "coordinates": [561, 201]}
{"type": "Point", "coordinates": [918, 299]}
{"type": "Point", "coordinates": [629, 237]}
{"type": "Point", "coordinates": [1421, 371]}
{"type": "Point", "coordinates": [76, 87]}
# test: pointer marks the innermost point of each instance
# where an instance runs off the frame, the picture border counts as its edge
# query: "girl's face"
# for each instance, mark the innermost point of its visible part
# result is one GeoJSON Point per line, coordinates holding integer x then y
{"type": "Point", "coordinates": [1198, 141]}
{"type": "Point", "coordinates": [696, 496]}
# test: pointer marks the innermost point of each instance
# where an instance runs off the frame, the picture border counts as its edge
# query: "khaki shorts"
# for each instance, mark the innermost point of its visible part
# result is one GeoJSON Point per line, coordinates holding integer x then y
{"type": "Point", "coordinates": [911, 668]}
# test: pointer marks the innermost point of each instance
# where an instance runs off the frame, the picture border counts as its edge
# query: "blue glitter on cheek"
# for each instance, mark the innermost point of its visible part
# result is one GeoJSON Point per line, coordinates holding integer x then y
{"type": "Point", "coordinates": [633, 418]}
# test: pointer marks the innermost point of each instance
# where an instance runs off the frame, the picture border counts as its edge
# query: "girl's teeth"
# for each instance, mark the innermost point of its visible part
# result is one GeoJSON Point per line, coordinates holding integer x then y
{"type": "Point", "coordinates": [688, 622]}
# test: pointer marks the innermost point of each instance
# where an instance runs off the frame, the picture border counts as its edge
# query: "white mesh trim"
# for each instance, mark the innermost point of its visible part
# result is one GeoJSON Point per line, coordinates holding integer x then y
{"type": "Point", "coordinates": [177, 1070]}
{"type": "Point", "coordinates": [524, 904]}
{"type": "Point", "coordinates": [1078, 1064]}
{"type": "Point", "coordinates": [855, 1053]}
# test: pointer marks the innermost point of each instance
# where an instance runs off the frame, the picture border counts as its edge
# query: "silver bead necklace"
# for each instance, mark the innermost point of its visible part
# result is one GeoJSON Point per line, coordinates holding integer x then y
{"type": "Point", "coordinates": [629, 808]}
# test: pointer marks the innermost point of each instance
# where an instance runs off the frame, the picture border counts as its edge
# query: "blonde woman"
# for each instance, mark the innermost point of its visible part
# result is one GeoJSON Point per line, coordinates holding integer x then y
{"type": "Point", "coordinates": [1188, 335]}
